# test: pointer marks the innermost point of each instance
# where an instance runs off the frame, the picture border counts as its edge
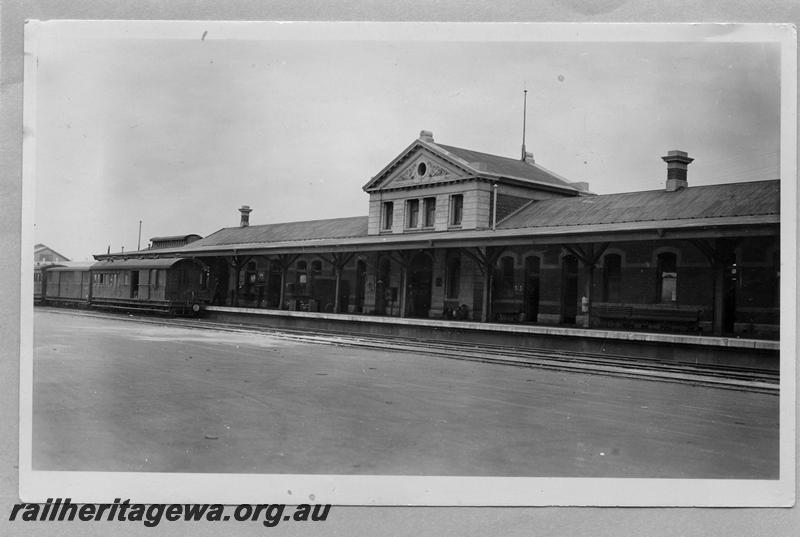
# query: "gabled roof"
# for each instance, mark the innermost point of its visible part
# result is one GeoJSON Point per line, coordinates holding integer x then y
{"type": "Point", "coordinates": [334, 228]}
{"type": "Point", "coordinates": [696, 202]}
{"type": "Point", "coordinates": [477, 164]}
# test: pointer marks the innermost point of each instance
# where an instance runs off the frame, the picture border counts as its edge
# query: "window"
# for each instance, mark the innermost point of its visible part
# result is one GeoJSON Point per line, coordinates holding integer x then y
{"type": "Point", "coordinates": [612, 274]}
{"type": "Point", "coordinates": [430, 212]}
{"type": "Point", "coordinates": [154, 277]}
{"type": "Point", "coordinates": [456, 209]}
{"type": "Point", "coordinates": [412, 213]}
{"type": "Point", "coordinates": [667, 277]}
{"type": "Point", "coordinates": [388, 215]}
{"type": "Point", "coordinates": [316, 265]}
{"type": "Point", "coordinates": [453, 275]}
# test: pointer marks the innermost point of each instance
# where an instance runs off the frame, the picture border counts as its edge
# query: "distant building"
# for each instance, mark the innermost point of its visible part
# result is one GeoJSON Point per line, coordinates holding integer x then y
{"type": "Point", "coordinates": [43, 254]}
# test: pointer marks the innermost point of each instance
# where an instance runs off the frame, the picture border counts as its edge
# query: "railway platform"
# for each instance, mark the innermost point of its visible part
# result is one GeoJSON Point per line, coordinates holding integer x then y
{"type": "Point", "coordinates": [679, 348]}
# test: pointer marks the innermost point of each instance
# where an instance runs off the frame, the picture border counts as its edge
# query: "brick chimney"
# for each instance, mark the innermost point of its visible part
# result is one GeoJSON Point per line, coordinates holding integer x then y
{"type": "Point", "coordinates": [245, 210]}
{"type": "Point", "coordinates": [677, 165]}
{"type": "Point", "coordinates": [426, 136]}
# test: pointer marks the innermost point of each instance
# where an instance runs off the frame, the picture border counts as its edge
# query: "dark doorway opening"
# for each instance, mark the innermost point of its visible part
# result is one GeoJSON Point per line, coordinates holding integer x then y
{"type": "Point", "coordinates": [729, 285]}
{"type": "Point", "coordinates": [420, 278]}
{"type": "Point", "coordinates": [361, 283]}
{"type": "Point", "coordinates": [532, 270]}
{"type": "Point", "coordinates": [569, 289]}
{"type": "Point", "coordinates": [382, 287]}
{"type": "Point", "coordinates": [134, 284]}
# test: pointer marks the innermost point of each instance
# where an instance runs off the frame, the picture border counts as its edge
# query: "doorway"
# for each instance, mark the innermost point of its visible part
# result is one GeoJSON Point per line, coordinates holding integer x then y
{"type": "Point", "coordinates": [382, 286]}
{"type": "Point", "coordinates": [134, 284]}
{"type": "Point", "coordinates": [532, 269]}
{"type": "Point", "coordinates": [361, 283]}
{"type": "Point", "coordinates": [420, 278]}
{"type": "Point", "coordinates": [569, 289]}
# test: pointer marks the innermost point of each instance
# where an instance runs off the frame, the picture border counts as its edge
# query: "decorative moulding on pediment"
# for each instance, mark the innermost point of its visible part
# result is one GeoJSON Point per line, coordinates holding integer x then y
{"type": "Point", "coordinates": [421, 167]}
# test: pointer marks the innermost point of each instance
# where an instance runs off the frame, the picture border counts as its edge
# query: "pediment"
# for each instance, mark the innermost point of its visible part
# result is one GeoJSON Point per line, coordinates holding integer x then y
{"type": "Point", "coordinates": [419, 166]}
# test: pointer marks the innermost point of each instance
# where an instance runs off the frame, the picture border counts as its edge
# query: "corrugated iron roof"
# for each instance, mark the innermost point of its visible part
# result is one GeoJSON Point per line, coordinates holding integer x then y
{"type": "Point", "coordinates": [508, 167]}
{"type": "Point", "coordinates": [697, 202]}
{"type": "Point", "coordinates": [334, 228]}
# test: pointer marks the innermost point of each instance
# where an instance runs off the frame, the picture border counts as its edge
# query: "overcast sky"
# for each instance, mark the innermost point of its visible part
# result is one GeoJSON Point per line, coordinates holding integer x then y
{"type": "Point", "coordinates": [180, 131]}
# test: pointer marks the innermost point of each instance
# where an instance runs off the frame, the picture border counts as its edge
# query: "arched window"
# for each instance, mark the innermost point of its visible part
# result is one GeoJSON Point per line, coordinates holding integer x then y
{"type": "Point", "coordinates": [612, 274]}
{"type": "Point", "coordinates": [667, 277]}
{"type": "Point", "coordinates": [316, 265]}
{"type": "Point", "coordinates": [453, 276]}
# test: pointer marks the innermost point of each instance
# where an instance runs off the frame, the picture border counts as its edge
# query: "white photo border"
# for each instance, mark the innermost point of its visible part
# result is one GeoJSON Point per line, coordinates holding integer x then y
{"type": "Point", "coordinates": [429, 490]}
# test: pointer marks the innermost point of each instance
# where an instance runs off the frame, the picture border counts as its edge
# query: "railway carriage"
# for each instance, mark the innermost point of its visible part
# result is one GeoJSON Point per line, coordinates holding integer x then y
{"type": "Point", "coordinates": [39, 275]}
{"type": "Point", "coordinates": [167, 285]}
{"type": "Point", "coordinates": [67, 283]}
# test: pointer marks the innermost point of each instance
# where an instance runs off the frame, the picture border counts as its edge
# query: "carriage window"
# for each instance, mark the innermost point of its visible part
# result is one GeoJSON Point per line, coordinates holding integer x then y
{"type": "Point", "coordinates": [667, 277]}
{"type": "Point", "coordinates": [302, 265]}
{"type": "Point", "coordinates": [611, 277]}
{"type": "Point", "coordinates": [316, 265]}
{"type": "Point", "coordinates": [388, 214]}
{"type": "Point", "coordinates": [453, 282]}
{"type": "Point", "coordinates": [456, 209]}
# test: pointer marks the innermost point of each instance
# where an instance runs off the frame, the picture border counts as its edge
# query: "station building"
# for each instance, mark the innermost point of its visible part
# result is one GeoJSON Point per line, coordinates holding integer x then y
{"type": "Point", "coordinates": [459, 234]}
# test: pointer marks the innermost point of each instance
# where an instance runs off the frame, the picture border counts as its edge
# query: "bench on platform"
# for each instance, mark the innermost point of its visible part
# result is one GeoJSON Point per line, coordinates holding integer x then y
{"type": "Point", "coordinates": [507, 313]}
{"type": "Point", "coordinates": [632, 316]}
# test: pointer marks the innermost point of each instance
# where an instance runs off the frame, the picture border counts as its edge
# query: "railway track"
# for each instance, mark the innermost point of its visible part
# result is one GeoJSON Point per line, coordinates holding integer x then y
{"type": "Point", "coordinates": [725, 377]}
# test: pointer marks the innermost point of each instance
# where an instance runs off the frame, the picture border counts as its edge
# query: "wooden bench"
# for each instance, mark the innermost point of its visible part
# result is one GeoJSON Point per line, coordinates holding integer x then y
{"type": "Point", "coordinates": [613, 312]}
{"type": "Point", "coordinates": [630, 316]}
{"type": "Point", "coordinates": [688, 318]}
{"type": "Point", "coordinates": [507, 313]}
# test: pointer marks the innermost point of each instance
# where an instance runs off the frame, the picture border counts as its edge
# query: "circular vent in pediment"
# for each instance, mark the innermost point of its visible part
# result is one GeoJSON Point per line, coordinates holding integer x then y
{"type": "Point", "coordinates": [422, 169]}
